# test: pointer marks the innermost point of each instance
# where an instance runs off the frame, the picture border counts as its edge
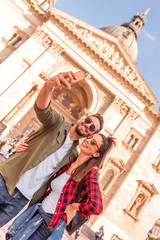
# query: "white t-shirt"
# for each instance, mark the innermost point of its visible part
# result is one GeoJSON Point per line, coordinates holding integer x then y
{"type": "Point", "coordinates": [50, 202]}
{"type": "Point", "coordinates": [32, 180]}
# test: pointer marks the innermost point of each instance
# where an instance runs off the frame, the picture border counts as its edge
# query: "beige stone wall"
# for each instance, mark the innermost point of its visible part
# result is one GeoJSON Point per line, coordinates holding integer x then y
{"type": "Point", "coordinates": [64, 43]}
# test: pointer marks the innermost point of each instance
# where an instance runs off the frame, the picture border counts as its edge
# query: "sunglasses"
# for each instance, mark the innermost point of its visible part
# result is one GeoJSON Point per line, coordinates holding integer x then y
{"type": "Point", "coordinates": [93, 141]}
{"type": "Point", "coordinates": [88, 120]}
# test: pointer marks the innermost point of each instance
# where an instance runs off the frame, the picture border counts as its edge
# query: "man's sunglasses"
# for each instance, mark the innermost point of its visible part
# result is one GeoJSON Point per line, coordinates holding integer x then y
{"type": "Point", "coordinates": [93, 141]}
{"type": "Point", "coordinates": [88, 120]}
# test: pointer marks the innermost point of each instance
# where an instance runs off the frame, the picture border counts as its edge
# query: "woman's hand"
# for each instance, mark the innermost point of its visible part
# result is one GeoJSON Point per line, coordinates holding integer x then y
{"type": "Point", "coordinates": [70, 212]}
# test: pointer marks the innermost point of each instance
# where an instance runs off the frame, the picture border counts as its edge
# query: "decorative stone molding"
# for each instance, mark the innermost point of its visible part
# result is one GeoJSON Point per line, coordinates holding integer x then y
{"type": "Point", "coordinates": [46, 41]}
{"type": "Point", "coordinates": [145, 191]}
{"type": "Point", "coordinates": [106, 50]}
{"type": "Point", "coordinates": [148, 186]}
{"type": "Point", "coordinates": [56, 49]}
{"type": "Point", "coordinates": [43, 37]}
{"type": "Point", "coordinates": [61, 60]}
{"type": "Point", "coordinates": [115, 237]}
{"type": "Point", "coordinates": [44, 76]}
{"type": "Point", "coordinates": [132, 114]}
{"type": "Point", "coordinates": [88, 76]}
{"type": "Point", "coordinates": [112, 170]}
{"type": "Point", "coordinates": [120, 105]}
{"type": "Point", "coordinates": [119, 164]}
{"type": "Point", "coordinates": [154, 111]}
{"type": "Point", "coordinates": [33, 6]}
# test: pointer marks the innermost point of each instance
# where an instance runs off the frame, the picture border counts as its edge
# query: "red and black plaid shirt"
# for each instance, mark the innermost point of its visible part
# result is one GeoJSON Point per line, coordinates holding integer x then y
{"type": "Point", "coordinates": [92, 206]}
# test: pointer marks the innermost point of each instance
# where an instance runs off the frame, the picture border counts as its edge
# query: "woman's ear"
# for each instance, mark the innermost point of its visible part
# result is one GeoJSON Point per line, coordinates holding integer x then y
{"type": "Point", "coordinates": [96, 155]}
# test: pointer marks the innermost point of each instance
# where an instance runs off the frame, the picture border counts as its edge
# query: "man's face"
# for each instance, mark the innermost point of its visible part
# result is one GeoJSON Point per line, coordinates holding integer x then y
{"type": "Point", "coordinates": [87, 126]}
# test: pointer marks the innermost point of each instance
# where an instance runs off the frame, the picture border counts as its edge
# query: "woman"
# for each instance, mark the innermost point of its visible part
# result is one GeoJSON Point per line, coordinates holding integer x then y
{"type": "Point", "coordinates": [49, 219]}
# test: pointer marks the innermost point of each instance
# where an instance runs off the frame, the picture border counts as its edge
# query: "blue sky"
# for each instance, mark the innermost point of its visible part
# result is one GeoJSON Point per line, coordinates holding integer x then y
{"type": "Point", "coordinates": [100, 13]}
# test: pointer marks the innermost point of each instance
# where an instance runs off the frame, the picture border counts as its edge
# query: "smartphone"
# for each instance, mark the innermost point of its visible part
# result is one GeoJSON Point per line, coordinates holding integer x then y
{"type": "Point", "coordinates": [79, 77]}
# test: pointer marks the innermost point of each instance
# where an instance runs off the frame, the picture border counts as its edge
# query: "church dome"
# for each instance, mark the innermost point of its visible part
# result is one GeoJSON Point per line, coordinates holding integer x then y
{"type": "Point", "coordinates": [128, 33]}
{"type": "Point", "coordinates": [127, 38]}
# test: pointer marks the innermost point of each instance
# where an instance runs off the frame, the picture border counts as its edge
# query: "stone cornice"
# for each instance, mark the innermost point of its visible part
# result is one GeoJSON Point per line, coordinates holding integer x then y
{"type": "Point", "coordinates": [33, 6]}
{"type": "Point", "coordinates": [118, 163]}
{"type": "Point", "coordinates": [47, 42]}
{"type": "Point", "coordinates": [154, 111]}
{"type": "Point", "coordinates": [148, 186]}
{"type": "Point", "coordinates": [124, 109]}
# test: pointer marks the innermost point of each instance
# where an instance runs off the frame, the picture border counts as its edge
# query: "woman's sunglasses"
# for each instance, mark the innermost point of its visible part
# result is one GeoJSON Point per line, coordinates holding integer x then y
{"type": "Point", "coordinates": [93, 141]}
{"type": "Point", "coordinates": [88, 120]}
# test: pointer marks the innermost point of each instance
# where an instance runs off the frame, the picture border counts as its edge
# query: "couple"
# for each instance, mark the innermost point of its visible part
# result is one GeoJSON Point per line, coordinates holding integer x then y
{"type": "Point", "coordinates": [50, 160]}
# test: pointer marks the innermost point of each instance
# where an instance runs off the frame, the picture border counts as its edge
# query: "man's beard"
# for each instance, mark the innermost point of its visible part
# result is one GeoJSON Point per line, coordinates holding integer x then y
{"type": "Point", "coordinates": [79, 133]}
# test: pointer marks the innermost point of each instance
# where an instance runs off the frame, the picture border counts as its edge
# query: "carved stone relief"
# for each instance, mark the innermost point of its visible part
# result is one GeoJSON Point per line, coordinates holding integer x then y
{"type": "Point", "coordinates": [53, 47]}
{"type": "Point", "coordinates": [107, 50]}
{"type": "Point", "coordinates": [132, 115]}
{"type": "Point", "coordinates": [56, 49]}
{"type": "Point", "coordinates": [120, 105]}
{"type": "Point", "coordinates": [34, 7]}
{"type": "Point", "coordinates": [145, 191]}
{"type": "Point", "coordinates": [43, 37]}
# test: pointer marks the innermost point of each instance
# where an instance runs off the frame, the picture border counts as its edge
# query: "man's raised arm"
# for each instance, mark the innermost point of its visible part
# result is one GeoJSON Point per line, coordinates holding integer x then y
{"type": "Point", "coordinates": [62, 79]}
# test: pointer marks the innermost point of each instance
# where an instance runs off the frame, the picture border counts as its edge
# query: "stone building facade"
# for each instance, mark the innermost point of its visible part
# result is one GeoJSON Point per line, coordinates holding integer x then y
{"type": "Point", "coordinates": [37, 42]}
{"type": "Point", "coordinates": [154, 232]}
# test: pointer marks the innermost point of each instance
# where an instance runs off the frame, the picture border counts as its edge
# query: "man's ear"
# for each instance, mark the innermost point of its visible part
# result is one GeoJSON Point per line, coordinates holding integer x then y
{"type": "Point", "coordinates": [97, 154]}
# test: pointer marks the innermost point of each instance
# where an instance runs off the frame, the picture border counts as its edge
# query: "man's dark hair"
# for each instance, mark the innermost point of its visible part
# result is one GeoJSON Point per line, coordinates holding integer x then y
{"type": "Point", "coordinates": [101, 120]}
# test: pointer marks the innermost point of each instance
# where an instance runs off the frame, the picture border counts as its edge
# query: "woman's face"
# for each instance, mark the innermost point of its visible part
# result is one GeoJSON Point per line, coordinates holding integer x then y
{"type": "Point", "coordinates": [91, 145]}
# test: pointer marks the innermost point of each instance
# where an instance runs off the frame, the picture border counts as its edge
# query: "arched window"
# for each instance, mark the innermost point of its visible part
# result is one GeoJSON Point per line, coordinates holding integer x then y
{"type": "Point", "coordinates": [68, 101]}
{"type": "Point", "coordinates": [13, 37]}
{"type": "Point", "coordinates": [132, 140]}
{"type": "Point", "coordinates": [17, 40]}
{"type": "Point", "coordinates": [107, 179]}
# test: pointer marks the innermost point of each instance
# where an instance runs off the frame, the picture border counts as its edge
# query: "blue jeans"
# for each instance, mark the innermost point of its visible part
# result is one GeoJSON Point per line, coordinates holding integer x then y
{"type": "Point", "coordinates": [32, 225]}
{"type": "Point", "coordinates": [10, 205]}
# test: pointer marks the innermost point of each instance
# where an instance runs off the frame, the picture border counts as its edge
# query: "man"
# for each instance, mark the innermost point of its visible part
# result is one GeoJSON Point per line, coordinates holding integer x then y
{"type": "Point", "coordinates": [24, 176]}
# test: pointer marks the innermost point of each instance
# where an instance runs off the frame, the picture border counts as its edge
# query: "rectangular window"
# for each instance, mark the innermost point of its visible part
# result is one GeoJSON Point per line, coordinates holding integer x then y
{"type": "Point", "coordinates": [132, 140]}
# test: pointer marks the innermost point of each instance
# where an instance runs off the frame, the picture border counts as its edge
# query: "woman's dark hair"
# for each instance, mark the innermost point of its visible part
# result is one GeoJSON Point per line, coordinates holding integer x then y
{"type": "Point", "coordinates": [84, 168]}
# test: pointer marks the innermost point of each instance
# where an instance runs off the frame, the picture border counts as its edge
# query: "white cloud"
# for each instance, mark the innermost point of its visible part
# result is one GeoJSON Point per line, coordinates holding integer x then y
{"type": "Point", "coordinates": [150, 36]}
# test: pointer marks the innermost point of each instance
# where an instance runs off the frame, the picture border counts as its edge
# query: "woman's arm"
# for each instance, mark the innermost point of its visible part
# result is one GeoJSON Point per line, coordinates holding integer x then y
{"type": "Point", "coordinates": [94, 204]}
